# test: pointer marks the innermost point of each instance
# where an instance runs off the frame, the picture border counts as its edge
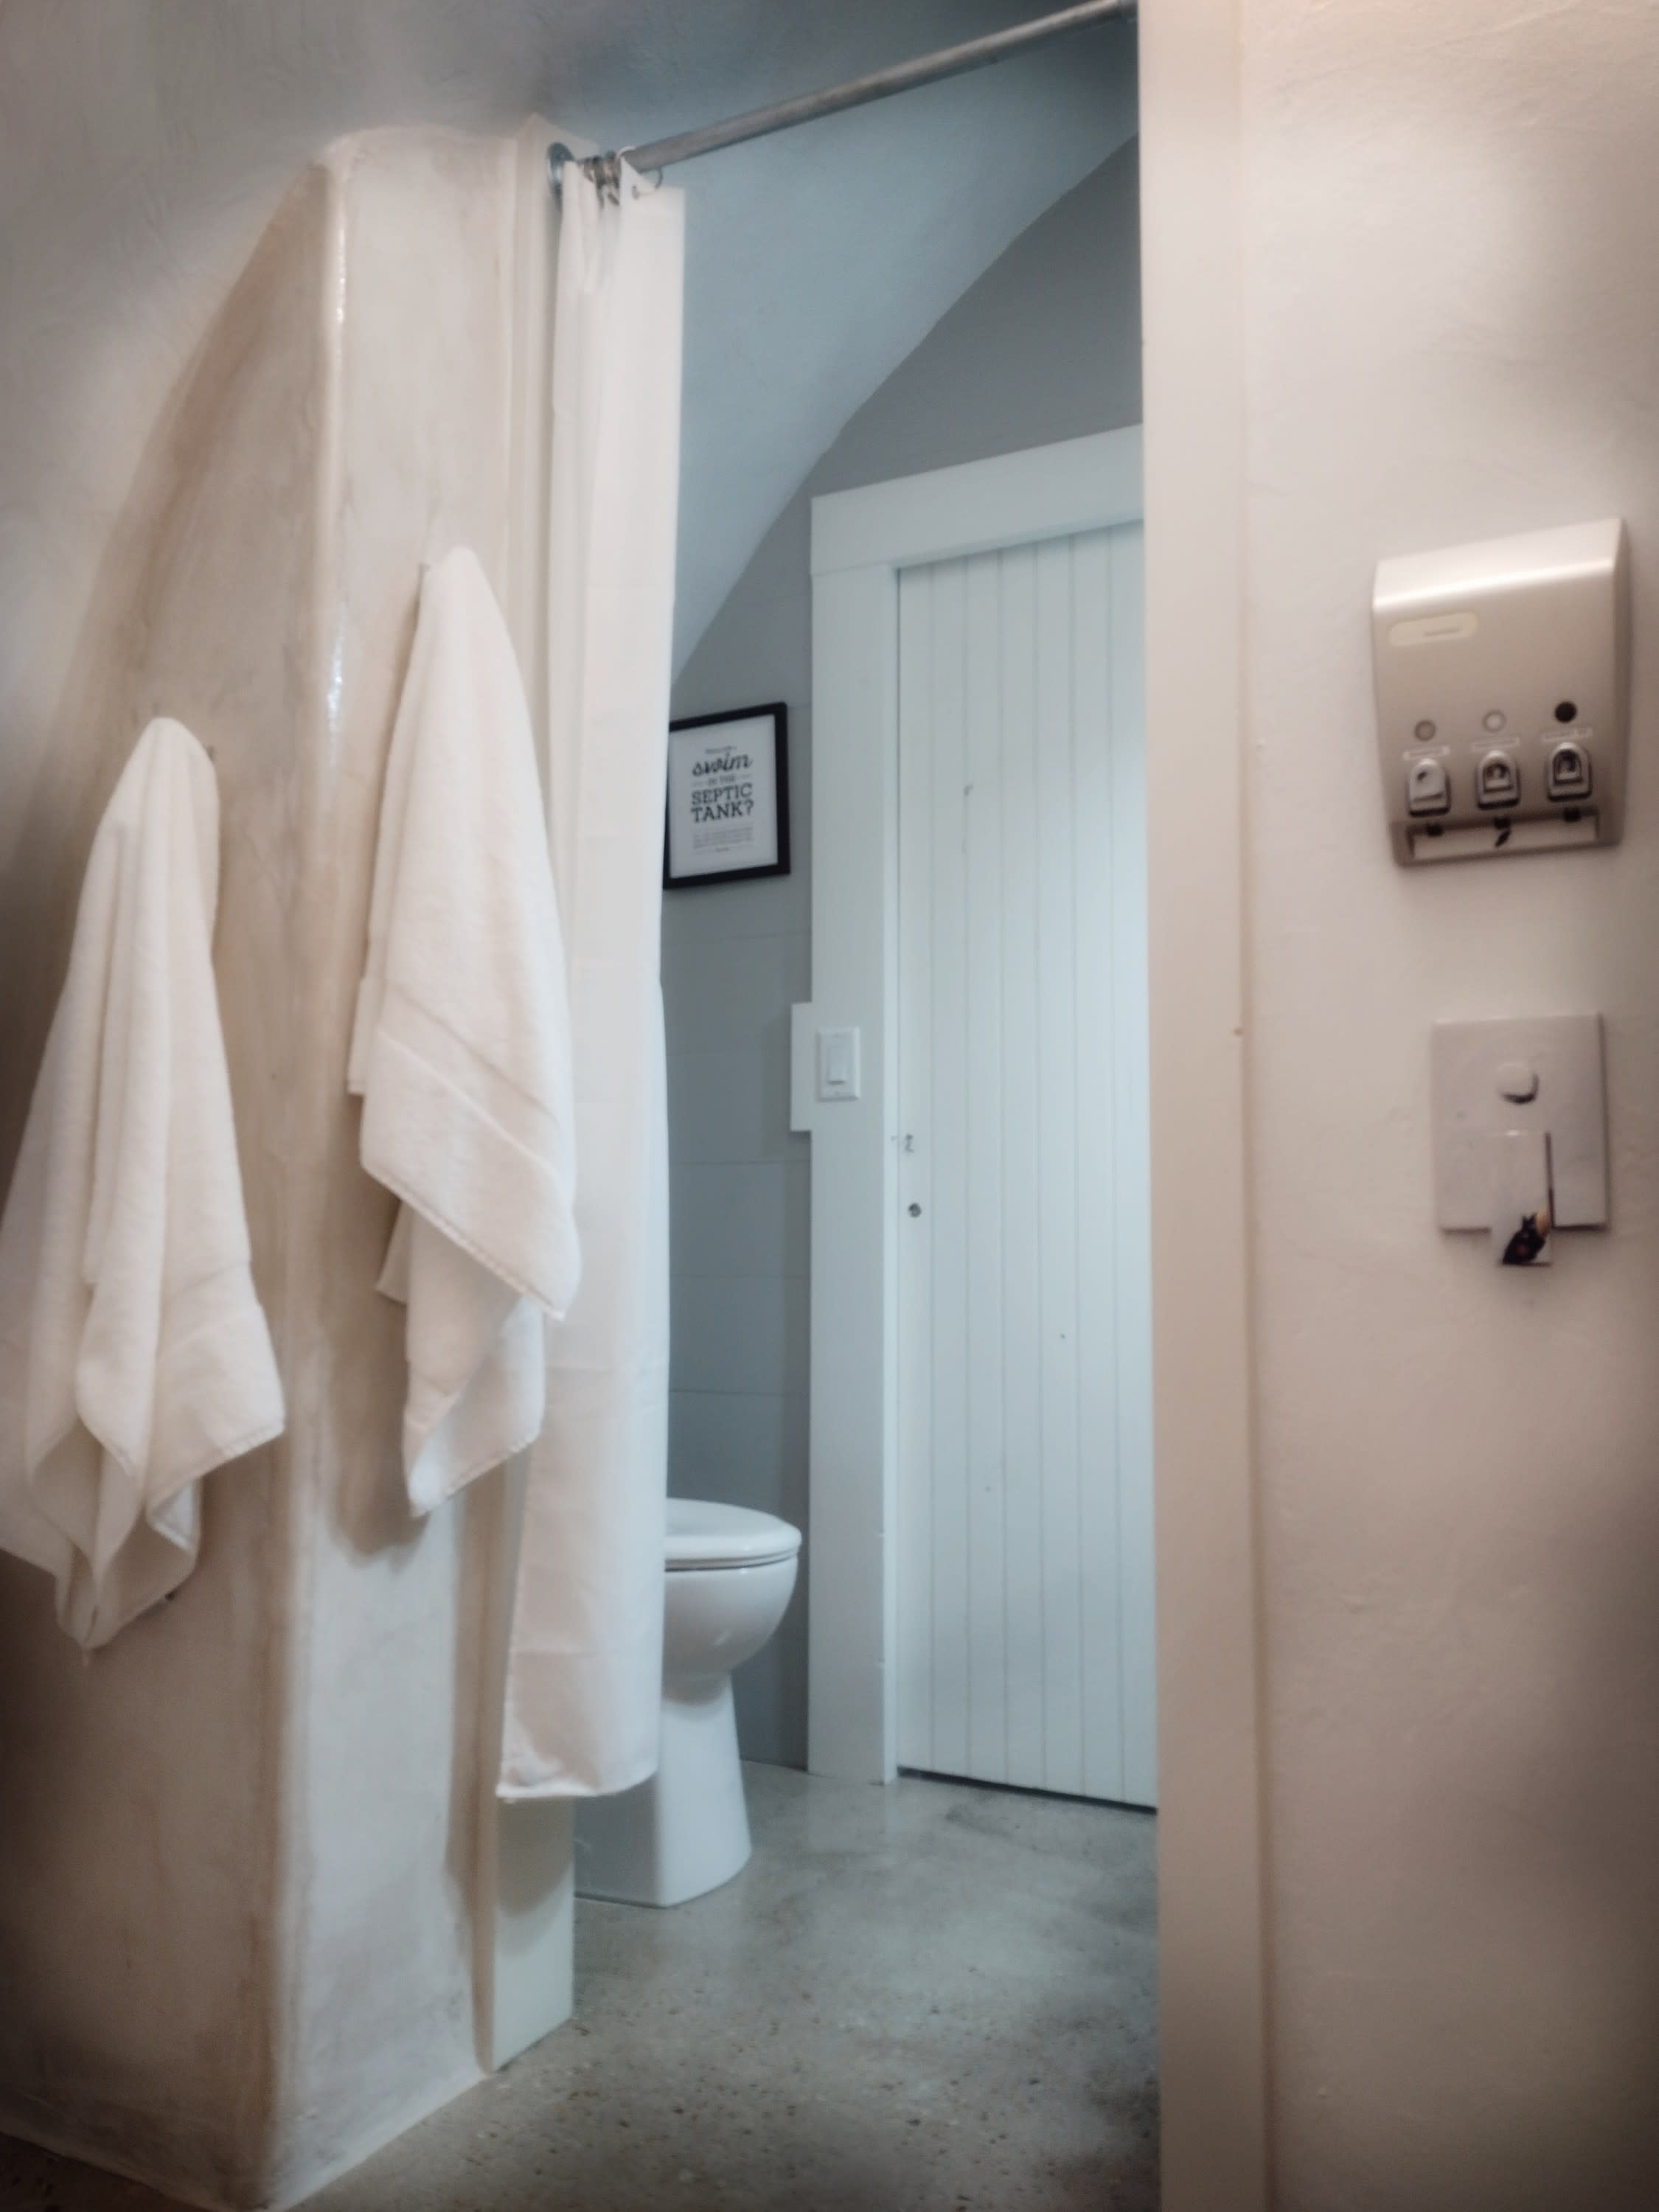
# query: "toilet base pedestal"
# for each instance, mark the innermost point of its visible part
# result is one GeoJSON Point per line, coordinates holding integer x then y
{"type": "Point", "coordinates": [684, 1832]}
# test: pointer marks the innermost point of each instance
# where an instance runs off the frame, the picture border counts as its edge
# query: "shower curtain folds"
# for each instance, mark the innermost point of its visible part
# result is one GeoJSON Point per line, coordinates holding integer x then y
{"type": "Point", "coordinates": [584, 1669]}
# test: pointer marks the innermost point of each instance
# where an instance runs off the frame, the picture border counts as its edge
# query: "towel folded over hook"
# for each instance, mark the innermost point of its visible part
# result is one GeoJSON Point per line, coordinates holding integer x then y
{"type": "Point", "coordinates": [134, 1352]}
{"type": "Point", "coordinates": [461, 1050]}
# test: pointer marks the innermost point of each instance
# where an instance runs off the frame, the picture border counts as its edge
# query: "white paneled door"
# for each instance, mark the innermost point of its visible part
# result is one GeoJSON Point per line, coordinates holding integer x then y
{"type": "Point", "coordinates": [1025, 1527]}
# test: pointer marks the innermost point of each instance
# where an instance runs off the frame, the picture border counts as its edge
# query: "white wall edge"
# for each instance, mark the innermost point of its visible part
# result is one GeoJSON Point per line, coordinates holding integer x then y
{"type": "Point", "coordinates": [803, 1042]}
{"type": "Point", "coordinates": [1212, 1932]}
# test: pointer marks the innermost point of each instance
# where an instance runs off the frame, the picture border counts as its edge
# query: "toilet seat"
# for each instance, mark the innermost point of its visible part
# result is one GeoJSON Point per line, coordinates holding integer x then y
{"type": "Point", "coordinates": [702, 1533]}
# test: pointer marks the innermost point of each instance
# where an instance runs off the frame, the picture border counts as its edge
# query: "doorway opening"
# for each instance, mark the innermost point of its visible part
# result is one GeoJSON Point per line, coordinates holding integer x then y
{"type": "Point", "coordinates": [951, 599]}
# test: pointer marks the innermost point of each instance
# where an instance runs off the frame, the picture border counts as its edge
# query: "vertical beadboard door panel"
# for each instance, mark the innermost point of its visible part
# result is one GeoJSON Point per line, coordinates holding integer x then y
{"type": "Point", "coordinates": [979, 1011]}
{"type": "Point", "coordinates": [1095, 1015]}
{"type": "Point", "coordinates": [1019, 1348]}
{"type": "Point", "coordinates": [1132, 1187]}
{"type": "Point", "coordinates": [931, 1701]}
{"type": "Point", "coordinates": [1024, 1483]}
{"type": "Point", "coordinates": [1060, 1379]}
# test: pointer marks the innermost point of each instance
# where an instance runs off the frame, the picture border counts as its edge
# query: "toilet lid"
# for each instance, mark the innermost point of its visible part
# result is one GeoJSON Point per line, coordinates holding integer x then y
{"type": "Point", "coordinates": [703, 1535]}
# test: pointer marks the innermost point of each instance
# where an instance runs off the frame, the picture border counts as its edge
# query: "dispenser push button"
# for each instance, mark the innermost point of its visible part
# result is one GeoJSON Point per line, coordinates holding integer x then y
{"type": "Point", "coordinates": [1569, 775]}
{"type": "Point", "coordinates": [1427, 791]}
{"type": "Point", "coordinates": [1498, 780]}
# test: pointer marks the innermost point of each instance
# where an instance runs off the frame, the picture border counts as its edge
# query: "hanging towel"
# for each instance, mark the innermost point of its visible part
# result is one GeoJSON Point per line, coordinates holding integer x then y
{"type": "Point", "coordinates": [462, 1045]}
{"type": "Point", "coordinates": [585, 1682]}
{"type": "Point", "coordinates": [134, 1354]}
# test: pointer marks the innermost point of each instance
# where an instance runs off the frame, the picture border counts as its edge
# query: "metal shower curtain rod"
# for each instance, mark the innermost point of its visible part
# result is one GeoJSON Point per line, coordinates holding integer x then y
{"type": "Point", "coordinates": [605, 169]}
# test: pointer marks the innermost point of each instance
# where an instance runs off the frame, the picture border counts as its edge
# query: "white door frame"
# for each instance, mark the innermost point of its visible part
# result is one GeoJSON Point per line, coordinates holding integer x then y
{"type": "Point", "coordinates": [860, 540]}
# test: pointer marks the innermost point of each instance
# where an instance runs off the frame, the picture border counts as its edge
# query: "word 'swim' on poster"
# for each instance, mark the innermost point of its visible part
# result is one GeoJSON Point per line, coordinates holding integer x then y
{"type": "Point", "coordinates": [727, 798]}
{"type": "Point", "coordinates": [722, 798]}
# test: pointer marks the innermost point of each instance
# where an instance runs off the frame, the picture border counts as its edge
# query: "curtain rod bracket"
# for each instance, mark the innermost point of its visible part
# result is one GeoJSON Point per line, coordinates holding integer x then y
{"type": "Point", "coordinates": [605, 169]}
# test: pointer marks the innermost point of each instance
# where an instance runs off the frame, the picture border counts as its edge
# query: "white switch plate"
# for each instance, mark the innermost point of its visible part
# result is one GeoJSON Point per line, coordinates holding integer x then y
{"type": "Point", "coordinates": [1467, 1060]}
{"type": "Point", "coordinates": [838, 1064]}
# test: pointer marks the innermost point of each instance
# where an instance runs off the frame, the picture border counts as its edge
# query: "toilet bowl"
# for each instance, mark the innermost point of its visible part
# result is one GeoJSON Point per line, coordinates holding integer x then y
{"type": "Point", "coordinates": [730, 1576]}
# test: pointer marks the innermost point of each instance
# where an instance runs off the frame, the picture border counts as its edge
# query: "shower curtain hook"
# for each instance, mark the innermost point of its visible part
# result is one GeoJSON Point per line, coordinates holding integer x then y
{"type": "Point", "coordinates": [605, 170]}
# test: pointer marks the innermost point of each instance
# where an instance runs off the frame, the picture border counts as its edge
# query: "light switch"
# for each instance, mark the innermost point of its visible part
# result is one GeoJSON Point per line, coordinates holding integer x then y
{"type": "Point", "coordinates": [838, 1064]}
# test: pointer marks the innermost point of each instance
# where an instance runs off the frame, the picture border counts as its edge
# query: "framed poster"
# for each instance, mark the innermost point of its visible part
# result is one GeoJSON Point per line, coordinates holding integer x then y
{"type": "Point", "coordinates": [728, 797]}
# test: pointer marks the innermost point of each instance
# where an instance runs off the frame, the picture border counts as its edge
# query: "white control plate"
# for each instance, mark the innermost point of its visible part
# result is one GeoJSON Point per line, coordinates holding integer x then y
{"type": "Point", "coordinates": [1543, 1072]}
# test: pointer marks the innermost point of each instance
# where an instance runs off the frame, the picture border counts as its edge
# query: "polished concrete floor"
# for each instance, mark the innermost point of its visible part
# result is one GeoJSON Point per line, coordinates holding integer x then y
{"type": "Point", "coordinates": [926, 1996]}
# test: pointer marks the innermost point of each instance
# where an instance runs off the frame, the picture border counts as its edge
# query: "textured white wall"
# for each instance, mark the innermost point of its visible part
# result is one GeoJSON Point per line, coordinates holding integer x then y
{"type": "Point", "coordinates": [1451, 232]}
{"type": "Point", "coordinates": [143, 147]}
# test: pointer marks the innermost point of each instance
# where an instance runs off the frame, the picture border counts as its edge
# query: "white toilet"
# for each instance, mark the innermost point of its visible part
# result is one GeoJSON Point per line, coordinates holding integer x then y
{"type": "Point", "coordinates": [731, 1572]}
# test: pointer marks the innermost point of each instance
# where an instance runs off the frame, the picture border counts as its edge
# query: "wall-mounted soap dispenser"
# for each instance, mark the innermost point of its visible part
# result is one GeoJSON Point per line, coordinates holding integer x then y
{"type": "Point", "coordinates": [1501, 693]}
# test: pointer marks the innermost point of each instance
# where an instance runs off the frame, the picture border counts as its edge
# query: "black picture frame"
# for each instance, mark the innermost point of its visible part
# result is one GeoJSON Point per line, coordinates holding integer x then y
{"type": "Point", "coordinates": [684, 875]}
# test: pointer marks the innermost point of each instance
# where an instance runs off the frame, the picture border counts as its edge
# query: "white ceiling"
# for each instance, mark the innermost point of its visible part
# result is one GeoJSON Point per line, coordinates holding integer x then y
{"type": "Point", "coordinates": [143, 141]}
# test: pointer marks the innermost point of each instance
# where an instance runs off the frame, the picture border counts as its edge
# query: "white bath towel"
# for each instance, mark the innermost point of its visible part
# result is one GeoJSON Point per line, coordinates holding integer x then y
{"type": "Point", "coordinates": [462, 1046]}
{"type": "Point", "coordinates": [134, 1354]}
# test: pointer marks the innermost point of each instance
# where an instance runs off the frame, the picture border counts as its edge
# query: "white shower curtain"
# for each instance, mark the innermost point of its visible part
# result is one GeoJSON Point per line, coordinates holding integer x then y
{"type": "Point", "coordinates": [585, 1673]}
